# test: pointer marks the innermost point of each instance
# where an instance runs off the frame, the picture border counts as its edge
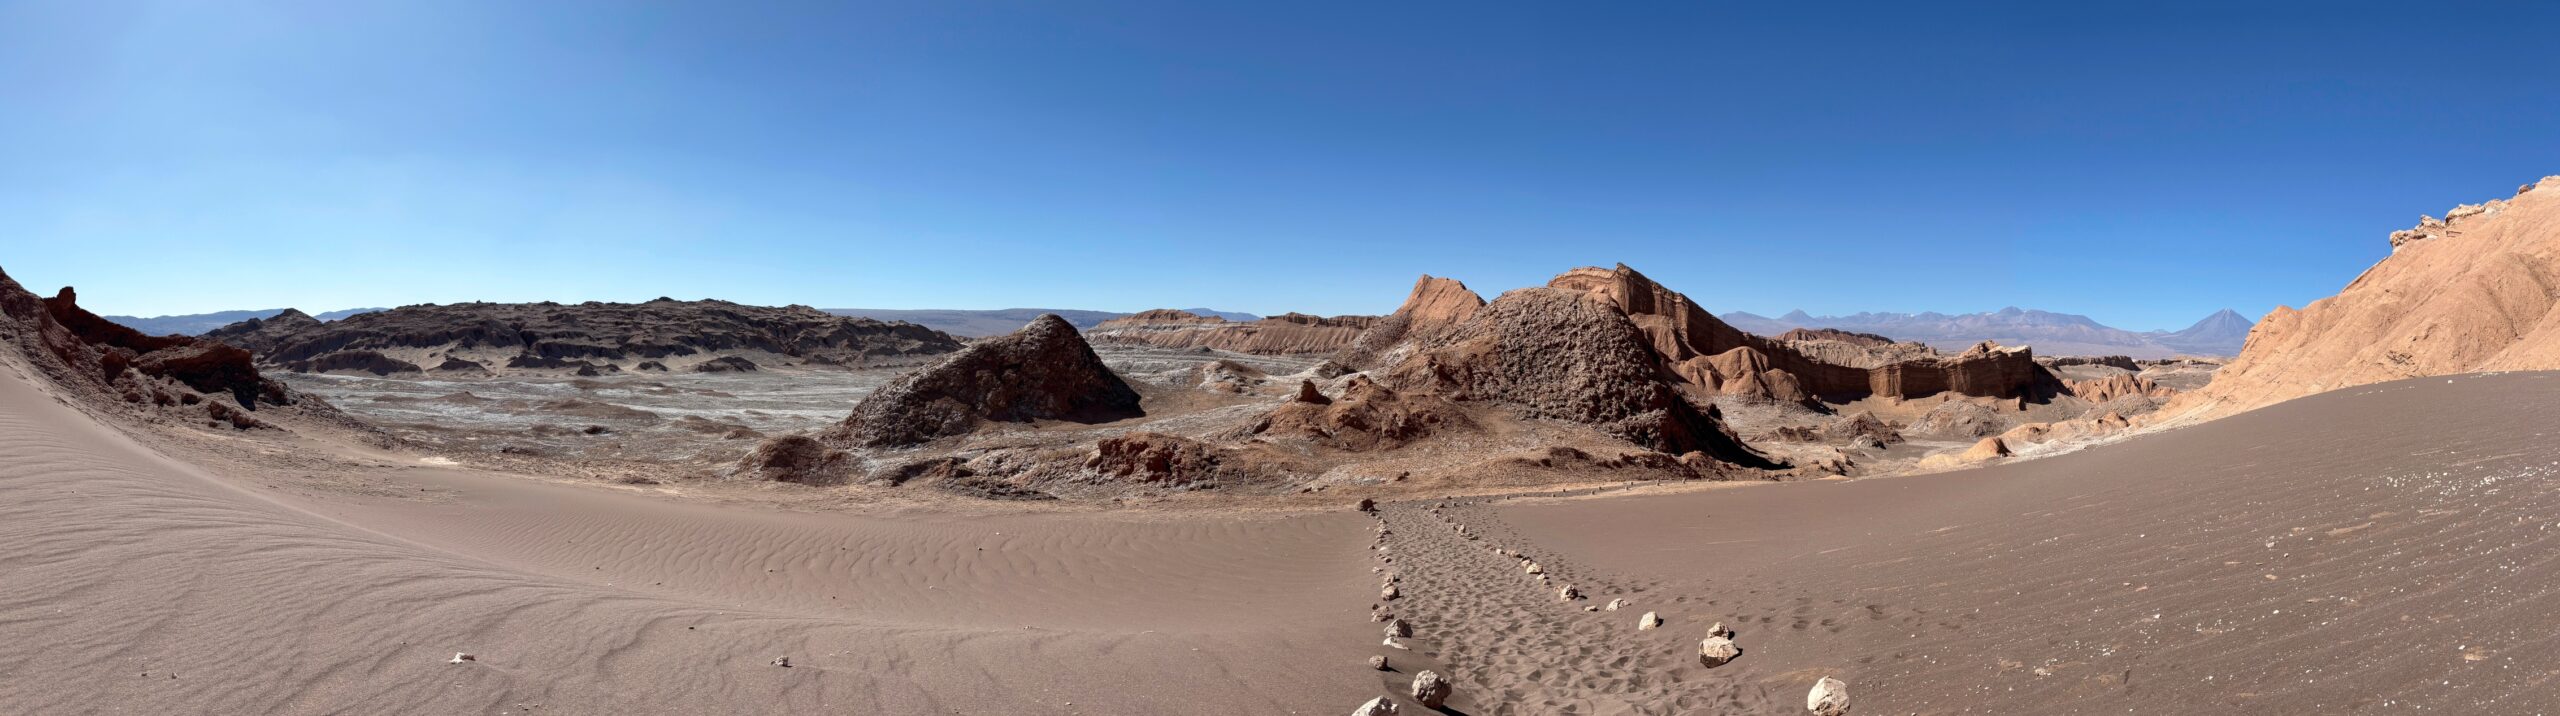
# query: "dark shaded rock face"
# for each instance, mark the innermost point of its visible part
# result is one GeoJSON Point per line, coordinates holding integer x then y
{"type": "Point", "coordinates": [795, 458]}
{"type": "Point", "coordinates": [205, 366]}
{"type": "Point", "coordinates": [1556, 354]}
{"type": "Point", "coordinates": [1045, 371]}
{"type": "Point", "coordinates": [355, 362]}
{"type": "Point", "coordinates": [552, 335]}
{"type": "Point", "coordinates": [724, 364]}
{"type": "Point", "coordinates": [110, 364]}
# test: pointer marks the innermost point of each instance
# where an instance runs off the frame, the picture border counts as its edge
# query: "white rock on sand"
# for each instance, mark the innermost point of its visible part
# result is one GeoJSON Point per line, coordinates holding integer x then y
{"type": "Point", "coordinates": [1378, 662]}
{"type": "Point", "coordinates": [1376, 707]}
{"type": "Point", "coordinates": [1615, 604]}
{"type": "Point", "coordinates": [1717, 651]}
{"type": "Point", "coordinates": [459, 657]}
{"type": "Point", "coordinates": [1568, 593]}
{"type": "Point", "coordinates": [1390, 592]}
{"type": "Point", "coordinates": [1398, 627]}
{"type": "Point", "coordinates": [1830, 697]}
{"type": "Point", "coordinates": [1431, 689]}
{"type": "Point", "coordinates": [1648, 622]}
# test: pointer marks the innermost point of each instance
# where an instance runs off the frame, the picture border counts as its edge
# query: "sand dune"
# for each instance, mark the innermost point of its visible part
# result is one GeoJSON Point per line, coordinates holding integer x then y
{"type": "Point", "coordinates": [139, 583]}
{"type": "Point", "coordinates": [2315, 557]}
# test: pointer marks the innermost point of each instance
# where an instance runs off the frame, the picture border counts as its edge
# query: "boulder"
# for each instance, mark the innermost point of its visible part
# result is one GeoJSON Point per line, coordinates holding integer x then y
{"type": "Point", "coordinates": [1648, 622]}
{"type": "Point", "coordinates": [1378, 662]}
{"type": "Point", "coordinates": [1431, 689]}
{"type": "Point", "coordinates": [1717, 651]}
{"type": "Point", "coordinates": [1376, 707]}
{"type": "Point", "coordinates": [1829, 697]}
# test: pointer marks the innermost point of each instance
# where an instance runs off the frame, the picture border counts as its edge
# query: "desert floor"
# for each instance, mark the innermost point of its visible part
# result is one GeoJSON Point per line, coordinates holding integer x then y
{"type": "Point", "coordinates": [2378, 549]}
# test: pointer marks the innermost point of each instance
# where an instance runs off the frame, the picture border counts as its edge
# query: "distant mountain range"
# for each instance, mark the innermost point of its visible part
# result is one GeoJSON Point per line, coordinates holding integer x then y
{"type": "Point", "coordinates": [197, 323]}
{"type": "Point", "coordinates": [962, 323]}
{"type": "Point", "coordinates": [2220, 334]}
{"type": "Point", "coordinates": [974, 324]}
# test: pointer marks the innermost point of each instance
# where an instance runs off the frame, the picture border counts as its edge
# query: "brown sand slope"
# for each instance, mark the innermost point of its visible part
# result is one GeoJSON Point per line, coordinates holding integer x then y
{"type": "Point", "coordinates": [2472, 292]}
{"type": "Point", "coordinates": [2382, 549]}
{"type": "Point", "coordinates": [139, 583]}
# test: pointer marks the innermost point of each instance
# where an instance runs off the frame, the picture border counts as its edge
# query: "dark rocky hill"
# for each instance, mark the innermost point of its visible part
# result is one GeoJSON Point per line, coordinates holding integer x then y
{"type": "Point", "coordinates": [591, 337]}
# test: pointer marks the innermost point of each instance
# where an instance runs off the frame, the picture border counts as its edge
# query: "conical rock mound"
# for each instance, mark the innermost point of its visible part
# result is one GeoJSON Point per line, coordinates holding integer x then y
{"type": "Point", "coordinates": [1045, 371]}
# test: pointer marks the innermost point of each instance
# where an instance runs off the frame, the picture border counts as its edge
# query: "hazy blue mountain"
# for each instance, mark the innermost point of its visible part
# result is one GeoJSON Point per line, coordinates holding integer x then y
{"type": "Point", "coordinates": [197, 323]}
{"type": "Point", "coordinates": [2048, 332]}
{"type": "Point", "coordinates": [2219, 334]}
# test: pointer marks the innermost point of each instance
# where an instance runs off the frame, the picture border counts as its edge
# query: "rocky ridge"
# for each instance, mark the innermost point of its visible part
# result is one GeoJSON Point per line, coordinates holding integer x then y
{"type": "Point", "coordinates": [588, 338]}
{"type": "Point", "coordinates": [1288, 333]}
{"type": "Point", "coordinates": [2474, 291]}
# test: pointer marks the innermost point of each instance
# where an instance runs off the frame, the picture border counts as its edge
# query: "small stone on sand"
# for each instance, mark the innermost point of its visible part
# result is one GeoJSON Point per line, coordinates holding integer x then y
{"type": "Point", "coordinates": [1830, 697]}
{"type": "Point", "coordinates": [1431, 689]}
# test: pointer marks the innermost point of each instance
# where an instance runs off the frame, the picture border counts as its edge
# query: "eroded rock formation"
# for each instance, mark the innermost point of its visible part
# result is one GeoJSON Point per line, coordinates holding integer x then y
{"type": "Point", "coordinates": [589, 336]}
{"type": "Point", "coordinates": [1564, 355]}
{"type": "Point", "coordinates": [1716, 358]}
{"type": "Point", "coordinates": [1045, 371]}
{"type": "Point", "coordinates": [1291, 333]}
{"type": "Point", "coordinates": [2472, 292]}
{"type": "Point", "coordinates": [111, 367]}
{"type": "Point", "coordinates": [1435, 305]}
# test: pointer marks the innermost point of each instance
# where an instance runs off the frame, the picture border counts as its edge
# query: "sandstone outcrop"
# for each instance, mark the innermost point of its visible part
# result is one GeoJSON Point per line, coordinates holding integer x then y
{"type": "Point", "coordinates": [1368, 416]}
{"type": "Point", "coordinates": [1045, 371]}
{"type": "Point", "coordinates": [1159, 458]}
{"type": "Point", "coordinates": [1285, 334]}
{"type": "Point", "coordinates": [114, 368]}
{"type": "Point", "coordinates": [2119, 386]}
{"type": "Point", "coordinates": [553, 336]}
{"type": "Point", "coordinates": [1561, 355]}
{"type": "Point", "coordinates": [2471, 293]}
{"type": "Point", "coordinates": [1716, 358]}
{"type": "Point", "coordinates": [1435, 305]}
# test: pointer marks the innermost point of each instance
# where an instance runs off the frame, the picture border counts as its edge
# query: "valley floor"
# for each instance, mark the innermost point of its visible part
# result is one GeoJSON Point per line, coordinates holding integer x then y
{"type": "Point", "coordinates": [2379, 549]}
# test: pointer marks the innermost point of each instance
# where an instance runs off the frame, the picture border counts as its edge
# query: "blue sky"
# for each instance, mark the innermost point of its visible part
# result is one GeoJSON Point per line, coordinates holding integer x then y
{"type": "Point", "coordinates": [2141, 163]}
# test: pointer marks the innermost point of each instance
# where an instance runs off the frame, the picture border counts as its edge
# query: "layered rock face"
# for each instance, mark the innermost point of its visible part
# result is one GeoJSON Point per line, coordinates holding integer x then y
{"type": "Point", "coordinates": [111, 365]}
{"type": "Point", "coordinates": [2472, 292]}
{"type": "Point", "coordinates": [1045, 371]}
{"type": "Point", "coordinates": [1286, 334]}
{"type": "Point", "coordinates": [589, 335]}
{"type": "Point", "coordinates": [1435, 305]}
{"type": "Point", "coordinates": [1717, 358]}
{"type": "Point", "coordinates": [1565, 355]}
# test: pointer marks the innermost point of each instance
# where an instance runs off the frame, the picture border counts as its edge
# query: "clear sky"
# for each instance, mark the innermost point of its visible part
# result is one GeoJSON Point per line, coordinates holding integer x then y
{"type": "Point", "coordinates": [2141, 163]}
